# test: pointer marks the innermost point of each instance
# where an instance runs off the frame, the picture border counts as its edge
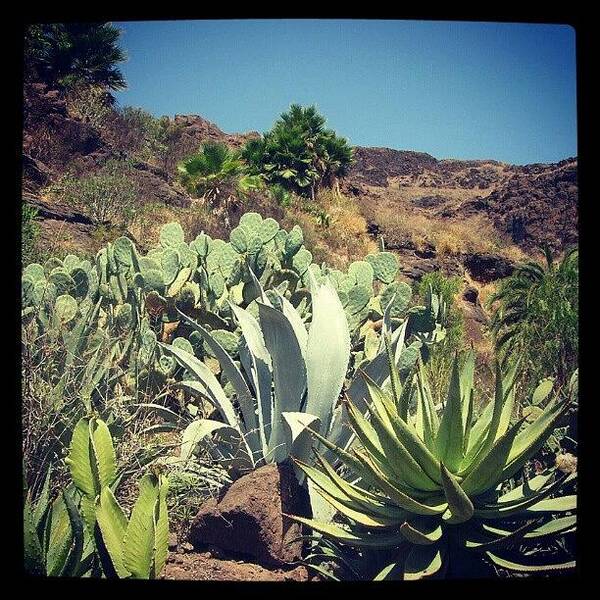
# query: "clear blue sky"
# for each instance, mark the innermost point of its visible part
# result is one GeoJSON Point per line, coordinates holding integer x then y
{"type": "Point", "coordinates": [452, 89]}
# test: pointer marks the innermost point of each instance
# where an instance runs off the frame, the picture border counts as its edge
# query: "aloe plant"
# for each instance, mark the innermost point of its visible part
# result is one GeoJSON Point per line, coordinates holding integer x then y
{"type": "Point", "coordinates": [136, 547]}
{"type": "Point", "coordinates": [431, 487]}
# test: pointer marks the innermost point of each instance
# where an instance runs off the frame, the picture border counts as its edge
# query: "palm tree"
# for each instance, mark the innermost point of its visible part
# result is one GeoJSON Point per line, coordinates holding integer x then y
{"type": "Point", "coordinates": [537, 315]}
{"type": "Point", "coordinates": [339, 158]}
{"type": "Point", "coordinates": [216, 171]}
{"type": "Point", "coordinates": [65, 54]}
{"type": "Point", "coordinates": [299, 153]}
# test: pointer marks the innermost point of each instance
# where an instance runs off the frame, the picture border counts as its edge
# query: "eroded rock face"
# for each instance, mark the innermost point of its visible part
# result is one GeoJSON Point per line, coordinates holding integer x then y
{"type": "Point", "coordinates": [247, 519]}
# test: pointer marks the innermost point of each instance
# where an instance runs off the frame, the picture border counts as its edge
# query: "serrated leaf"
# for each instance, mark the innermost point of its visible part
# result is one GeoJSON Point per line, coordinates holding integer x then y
{"type": "Point", "coordinates": [33, 554]}
{"type": "Point", "coordinates": [529, 568]}
{"type": "Point", "coordinates": [162, 528]}
{"type": "Point", "coordinates": [422, 531]}
{"type": "Point", "coordinates": [104, 452]}
{"type": "Point", "coordinates": [59, 539]}
{"type": "Point", "coordinates": [424, 562]}
{"type": "Point", "coordinates": [460, 507]}
{"type": "Point", "coordinates": [449, 439]}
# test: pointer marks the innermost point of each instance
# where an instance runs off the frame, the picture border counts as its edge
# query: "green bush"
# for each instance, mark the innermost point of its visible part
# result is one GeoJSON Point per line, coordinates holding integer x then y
{"type": "Point", "coordinates": [299, 153]}
{"type": "Point", "coordinates": [216, 172]}
{"type": "Point", "coordinates": [91, 103]}
{"type": "Point", "coordinates": [68, 54]}
{"type": "Point", "coordinates": [106, 197]}
{"type": "Point", "coordinates": [149, 138]}
{"type": "Point", "coordinates": [281, 195]}
{"type": "Point", "coordinates": [537, 317]}
{"type": "Point", "coordinates": [30, 231]}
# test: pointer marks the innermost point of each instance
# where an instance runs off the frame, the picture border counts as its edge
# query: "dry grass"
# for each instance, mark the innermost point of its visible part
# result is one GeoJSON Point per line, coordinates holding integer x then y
{"type": "Point", "coordinates": [145, 227]}
{"type": "Point", "coordinates": [344, 240]}
{"type": "Point", "coordinates": [404, 225]}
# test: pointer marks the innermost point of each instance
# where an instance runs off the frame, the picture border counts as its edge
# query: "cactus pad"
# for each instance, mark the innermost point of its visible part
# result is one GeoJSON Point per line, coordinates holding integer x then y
{"type": "Point", "coordinates": [402, 294]}
{"type": "Point", "coordinates": [301, 261]}
{"type": "Point", "coordinates": [171, 234]}
{"type": "Point", "coordinates": [65, 309]}
{"type": "Point", "coordinates": [62, 280]}
{"type": "Point", "coordinates": [124, 250]}
{"type": "Point", "coordinates": [358, 298]}
{"type": "Point", "coordinates": [362, 272]}
{"type": "Point", "coordinates": [239, 239]}
{"type": "Point", "coordinates": [385, 266]}
{"type": "Point", "coordinates": [294, 241]}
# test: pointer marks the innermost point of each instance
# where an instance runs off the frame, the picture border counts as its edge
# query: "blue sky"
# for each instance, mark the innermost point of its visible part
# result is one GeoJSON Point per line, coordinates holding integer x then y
{"type": "Point", "coordinates": [452, 89]}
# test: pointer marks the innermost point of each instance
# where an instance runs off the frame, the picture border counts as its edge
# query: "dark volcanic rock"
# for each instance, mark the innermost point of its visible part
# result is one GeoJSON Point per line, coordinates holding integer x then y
{"type": "Point", "coordinates": [538, 205]}
{"type": "Point", "coordinates": [416, 268]}
{"type": "Point", "coordinates": [429, 201]}
{"type": "Point", "coordinates": [488, 267]}
{"type": "Point", "coordinates": [247, 519]}
{"type": "Point", "coordinates": [55, 212]}
{"type": "Point", "coordinates": [154, 187]}
{"type": "Point", "coordinates": [50, 134]}
{"type": "Point", "coordinates": [470, 294]}
{"type": "Point", "coordinates": [373, 166]}
{"type": "Point", "coordinates": [35, 174]}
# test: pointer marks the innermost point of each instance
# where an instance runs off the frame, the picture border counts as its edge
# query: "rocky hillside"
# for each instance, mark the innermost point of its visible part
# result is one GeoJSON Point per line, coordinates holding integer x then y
{"type": "Point", "coordinates": [532, 204]}
{"type": "Point", "coordinates": [479, 214]}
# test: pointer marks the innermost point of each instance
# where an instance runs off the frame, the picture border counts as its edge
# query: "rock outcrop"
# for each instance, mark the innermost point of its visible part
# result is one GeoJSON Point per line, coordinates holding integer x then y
{"type": "Point", "coordinates": [247, 519]}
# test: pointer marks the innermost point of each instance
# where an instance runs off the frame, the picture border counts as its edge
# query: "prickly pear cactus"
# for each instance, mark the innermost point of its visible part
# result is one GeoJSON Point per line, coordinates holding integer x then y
{"type": "Point", "coordinates": [136, 299]}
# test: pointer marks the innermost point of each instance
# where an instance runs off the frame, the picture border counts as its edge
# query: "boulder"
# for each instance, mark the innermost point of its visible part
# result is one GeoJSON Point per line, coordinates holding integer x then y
{"type": "Point", "coordinates": [566, 462]}
{"type": "Point", "coordinates": [487, 267]}
{"type": "Point", "coordinates": [471, 294]}
{"type": "Point", "coordinates": [247, 518]}
{"type": "Point", "coordinates": [432, 201]}
{"type": "Point", "coordinates": [35, 174]}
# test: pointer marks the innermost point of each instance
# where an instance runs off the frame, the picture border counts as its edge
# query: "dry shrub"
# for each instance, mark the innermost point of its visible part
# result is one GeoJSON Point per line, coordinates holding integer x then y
{"type": "Point", "coordinates": [198, 217]}
{"type": "Point", "coordinates": [344, 240]}
{"type": "Point", "coordinates": [92, 104]}
{"type": "Point", "coordinates": [402, 226]}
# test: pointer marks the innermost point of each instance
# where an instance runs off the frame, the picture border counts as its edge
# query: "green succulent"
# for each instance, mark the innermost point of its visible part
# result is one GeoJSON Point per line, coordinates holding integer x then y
{"type": "Point", "coordinates": [126, 547]}
{"type": "Point", "coordinates": [430, 486]}
{"type": "Point", "coordinates": [280, 383]}
{"type": "Point", "coordinates": [204, 279]}
{"type": "Point", "coordinates": [55, 540]}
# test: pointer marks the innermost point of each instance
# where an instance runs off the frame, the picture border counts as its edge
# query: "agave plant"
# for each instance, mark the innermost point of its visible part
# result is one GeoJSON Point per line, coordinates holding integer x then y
{"type": "Point", "coordinates": [289, 378]}
{"type": "Point", "coordinates": [432, 488]}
